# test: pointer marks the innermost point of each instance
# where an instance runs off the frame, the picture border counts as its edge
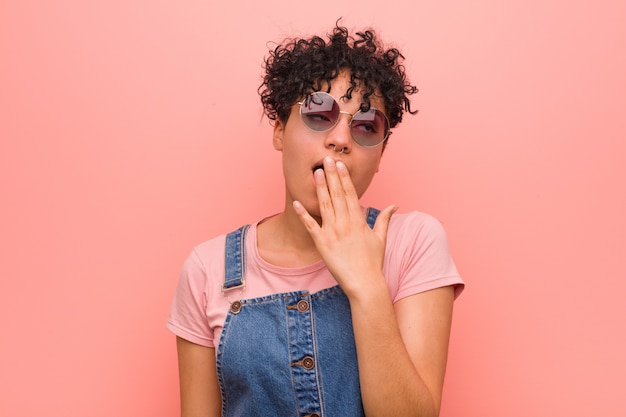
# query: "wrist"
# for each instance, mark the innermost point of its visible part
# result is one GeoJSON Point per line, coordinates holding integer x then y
{"type": "Point", "coordinates": [368, 290]}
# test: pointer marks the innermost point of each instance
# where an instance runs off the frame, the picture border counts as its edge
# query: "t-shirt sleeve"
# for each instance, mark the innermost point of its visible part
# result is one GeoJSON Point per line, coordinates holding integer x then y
{"type": "Point", "coordinates": [422, 257]}
{"type": "Point", "coordinates": [188, 318]}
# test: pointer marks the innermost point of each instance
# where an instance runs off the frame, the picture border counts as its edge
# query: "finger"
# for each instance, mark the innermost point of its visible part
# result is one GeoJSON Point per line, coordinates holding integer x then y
{"type": "Point", "coordinates": [307, 220]}
{"type": "Point", "coordinates": [351, 196]}
{"type": "Point", "coordinates": [382, 222]}
{"type": "Point", "coordinates": [335, 187]}
{"type": "Point", "coordinates": [327, 212]}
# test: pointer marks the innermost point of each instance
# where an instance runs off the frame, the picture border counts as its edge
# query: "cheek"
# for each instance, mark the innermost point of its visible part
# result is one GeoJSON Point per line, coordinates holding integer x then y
{"type": "Point", "coordinates": [299, 139]}
{"type": "Point", "coordinates": [363, 179]}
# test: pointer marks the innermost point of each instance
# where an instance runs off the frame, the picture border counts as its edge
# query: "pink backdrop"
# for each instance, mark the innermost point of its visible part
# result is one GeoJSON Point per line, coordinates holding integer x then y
{"type": "Point", "coordinates": [131, 130]}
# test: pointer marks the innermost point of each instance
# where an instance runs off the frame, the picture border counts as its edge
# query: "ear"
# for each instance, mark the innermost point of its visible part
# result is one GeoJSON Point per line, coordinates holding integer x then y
{"type": "Point", "coordinates": [279, 133]}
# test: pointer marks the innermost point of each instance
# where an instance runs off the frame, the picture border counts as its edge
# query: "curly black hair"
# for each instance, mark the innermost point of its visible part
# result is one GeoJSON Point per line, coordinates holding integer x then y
{"type": "Point", "coordinates": [297, 67]}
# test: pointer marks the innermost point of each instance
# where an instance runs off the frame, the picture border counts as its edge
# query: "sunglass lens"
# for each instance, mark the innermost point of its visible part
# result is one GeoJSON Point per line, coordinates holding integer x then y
{"type": "Point", "coordinates": [320, 111]}
{"type": "Point", "coordinates": [369, 128]}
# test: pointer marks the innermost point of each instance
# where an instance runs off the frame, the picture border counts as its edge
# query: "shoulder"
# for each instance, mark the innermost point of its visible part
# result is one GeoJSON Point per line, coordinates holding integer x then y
{"type": "Point", "coordinates": [415, 226]}
{"type": "Point", "coordinates": [206, 254]}
{"type": "Point", "coordinates": [209, 248]}
{"type": "Point", "coordinates": [418, 257]}
{"type": "Point", "coordinates": [207, 259]}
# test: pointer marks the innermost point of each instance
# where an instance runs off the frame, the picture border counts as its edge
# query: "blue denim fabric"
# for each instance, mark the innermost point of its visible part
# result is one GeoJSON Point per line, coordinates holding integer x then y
{"type": "Point", "coordinates": [288, 354]}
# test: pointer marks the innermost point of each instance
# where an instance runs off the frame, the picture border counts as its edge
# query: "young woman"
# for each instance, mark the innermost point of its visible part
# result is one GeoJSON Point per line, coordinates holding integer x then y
{"type": "Point", "coordinates": [327, 308]}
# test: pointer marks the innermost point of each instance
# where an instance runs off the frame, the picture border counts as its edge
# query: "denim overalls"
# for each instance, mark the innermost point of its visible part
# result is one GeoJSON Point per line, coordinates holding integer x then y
{"type": "Point", "coordinates": [288, 354]}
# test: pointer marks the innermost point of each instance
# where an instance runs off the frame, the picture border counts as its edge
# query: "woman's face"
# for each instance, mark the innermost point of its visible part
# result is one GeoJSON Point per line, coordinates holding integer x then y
{"type": "Point", "coordinates": [304, 149]}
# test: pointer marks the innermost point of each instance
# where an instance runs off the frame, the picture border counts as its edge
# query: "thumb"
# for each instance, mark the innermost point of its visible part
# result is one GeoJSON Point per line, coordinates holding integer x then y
{"type": "Point", "coordinates": [382, 222]}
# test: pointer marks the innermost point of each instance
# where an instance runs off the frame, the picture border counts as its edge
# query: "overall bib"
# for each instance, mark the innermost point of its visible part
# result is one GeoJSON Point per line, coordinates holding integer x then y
{"type": "Point", "coordinates": [287, 354]}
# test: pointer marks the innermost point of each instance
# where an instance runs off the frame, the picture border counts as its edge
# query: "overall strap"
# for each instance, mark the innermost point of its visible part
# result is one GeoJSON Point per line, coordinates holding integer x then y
{"type": "Point", "coordinates": [372, 214]}
{"type": "Point", "coordinates": [235, 259]}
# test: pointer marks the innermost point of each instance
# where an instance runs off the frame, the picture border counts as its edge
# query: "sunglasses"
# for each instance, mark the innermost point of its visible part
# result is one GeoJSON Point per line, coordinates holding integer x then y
{"type": "Point", "coordinates": [320, 112]}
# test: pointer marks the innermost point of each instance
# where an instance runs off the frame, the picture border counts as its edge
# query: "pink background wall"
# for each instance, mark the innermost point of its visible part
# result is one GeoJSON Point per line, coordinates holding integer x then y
{"type": "Point", "coordinates": [131, 130]}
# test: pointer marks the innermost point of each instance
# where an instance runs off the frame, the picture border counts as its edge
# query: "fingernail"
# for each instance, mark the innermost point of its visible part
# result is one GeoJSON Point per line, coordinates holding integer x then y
{"type": "Point", "coordinates": [328, 160]}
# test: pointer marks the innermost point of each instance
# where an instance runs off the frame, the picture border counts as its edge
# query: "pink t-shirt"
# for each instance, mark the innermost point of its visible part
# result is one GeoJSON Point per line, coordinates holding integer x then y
{"type": "Point", "coordinates": [417, 259]}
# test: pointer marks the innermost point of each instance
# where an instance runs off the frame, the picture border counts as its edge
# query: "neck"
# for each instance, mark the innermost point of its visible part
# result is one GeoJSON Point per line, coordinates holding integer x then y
{"type": "Point", "coordinates": [283, 240]}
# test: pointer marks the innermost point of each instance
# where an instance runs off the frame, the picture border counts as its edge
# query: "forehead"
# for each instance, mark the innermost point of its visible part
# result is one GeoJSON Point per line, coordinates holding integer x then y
{"type": "Point", "coordinates": [343, 91]}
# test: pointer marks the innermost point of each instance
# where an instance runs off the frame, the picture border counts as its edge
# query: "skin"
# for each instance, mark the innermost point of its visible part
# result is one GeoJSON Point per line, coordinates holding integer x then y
{"type": "Point", "coordinates": [402, 347]}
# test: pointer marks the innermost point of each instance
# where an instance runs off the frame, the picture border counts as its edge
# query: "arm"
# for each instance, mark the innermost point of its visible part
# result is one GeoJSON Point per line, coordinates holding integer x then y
{"type": "Point", "coordinates": [402, 351]}
{"type": "Point", "coordinates": [200, 394]}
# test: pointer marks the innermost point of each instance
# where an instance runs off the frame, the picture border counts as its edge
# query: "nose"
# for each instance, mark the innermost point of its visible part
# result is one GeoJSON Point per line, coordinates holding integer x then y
{"type": "Point", "coordinates": [339, 138]}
